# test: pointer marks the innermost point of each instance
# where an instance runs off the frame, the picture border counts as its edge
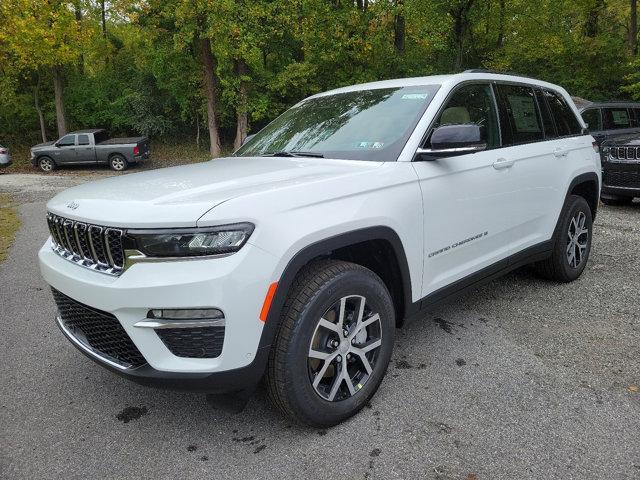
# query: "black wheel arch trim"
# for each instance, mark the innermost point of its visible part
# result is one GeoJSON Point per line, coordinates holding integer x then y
{"type": "Point", "coordinates": [589, 177]}
{"type": "Point", "coordinates": [324, 247]}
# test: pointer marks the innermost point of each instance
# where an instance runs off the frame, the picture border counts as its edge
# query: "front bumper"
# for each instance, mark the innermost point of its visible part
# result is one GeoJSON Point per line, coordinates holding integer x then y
{"type": "Point", "coordinates": [621, 178]}
{"type": "Point", "coordinates": [235, 284]}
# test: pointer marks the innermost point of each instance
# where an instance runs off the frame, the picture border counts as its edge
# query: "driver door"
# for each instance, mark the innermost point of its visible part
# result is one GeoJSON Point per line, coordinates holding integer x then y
{"type": "Point", "coordinates": [469, 212]}
{"type": "Point", "coordinates": [65, 150]}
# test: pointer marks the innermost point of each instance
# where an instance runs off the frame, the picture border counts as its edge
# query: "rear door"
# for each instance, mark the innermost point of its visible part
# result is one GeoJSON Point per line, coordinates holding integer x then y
{"type": "Point", "coordinates": [530, 142]}
{"type": "Point", "coordinates": [85, 150]}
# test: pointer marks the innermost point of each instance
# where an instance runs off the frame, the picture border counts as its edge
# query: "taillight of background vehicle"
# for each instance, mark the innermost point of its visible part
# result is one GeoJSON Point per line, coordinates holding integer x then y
{"type": "Point", "coordinates": [136, 150]}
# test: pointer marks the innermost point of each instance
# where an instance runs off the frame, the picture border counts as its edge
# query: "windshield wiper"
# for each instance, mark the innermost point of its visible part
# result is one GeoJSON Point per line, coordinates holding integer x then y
{"type": "Point", "coordinates": [293, 153]}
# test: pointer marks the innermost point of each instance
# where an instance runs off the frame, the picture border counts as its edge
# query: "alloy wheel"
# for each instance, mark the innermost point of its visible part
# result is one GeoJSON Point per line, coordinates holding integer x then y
{"type": "Point", "coordinates": [344, 348]}
{"type": "Point", "coordinates": [578, 239]}
{"type": "Point", "coordinates": [46, 165]}
{"type": "Point", "coordinates": [117, 163]}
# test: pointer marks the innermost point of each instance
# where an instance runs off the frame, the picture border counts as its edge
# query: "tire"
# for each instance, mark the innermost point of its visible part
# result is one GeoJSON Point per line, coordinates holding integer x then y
{"type": "Point", "coordinates": [568, 258]}
{"type": "Point", "coordinates": [318, 294]}
{"type": "Point", "coordinates": [118, 163]}
{"type": "Point", "coordinates": [46, 164]}
{"type": "Point", "coordinates": [616, 200]}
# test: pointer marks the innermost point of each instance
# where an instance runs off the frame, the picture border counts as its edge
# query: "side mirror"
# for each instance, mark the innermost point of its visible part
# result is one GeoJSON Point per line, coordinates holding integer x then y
{"type": "Point", "coordinates": [248, 137]}
{"type": "Point", "coordinates": [452, 140]}
{"type": "Point", "coordinates": [56, 145]}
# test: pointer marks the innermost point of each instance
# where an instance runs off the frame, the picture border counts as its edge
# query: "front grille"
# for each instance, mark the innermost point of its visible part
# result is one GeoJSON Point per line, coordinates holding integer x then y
{"type": "Point", "coordinates": [98, 330]}
{"type": "Point", "coordinates": [622, 178]}
{"type": "Point", "coordinates": [91, 246]}
{"type": "Point", "coordinates": [202, 342]}
{"type": "Point", "coordinates": [630, 154]}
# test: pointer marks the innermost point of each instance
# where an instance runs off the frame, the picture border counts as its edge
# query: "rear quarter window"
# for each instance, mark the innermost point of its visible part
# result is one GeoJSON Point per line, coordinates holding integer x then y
{"type": "Point", "coordinates": [565, 120]}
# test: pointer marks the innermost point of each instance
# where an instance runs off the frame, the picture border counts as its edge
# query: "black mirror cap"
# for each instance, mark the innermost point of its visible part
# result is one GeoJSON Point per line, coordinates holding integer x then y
{"type": "Point", "coordinates": [456, 136]}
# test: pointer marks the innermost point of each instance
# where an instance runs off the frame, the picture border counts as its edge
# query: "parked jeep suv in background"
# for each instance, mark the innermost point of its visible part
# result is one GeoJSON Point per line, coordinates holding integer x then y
{"type": "Point", "coordinates": [616, 128]}
{"type": "Point", "coordinates": [90, 147]}
{"type": "Point", "coordinates": [296, 258]}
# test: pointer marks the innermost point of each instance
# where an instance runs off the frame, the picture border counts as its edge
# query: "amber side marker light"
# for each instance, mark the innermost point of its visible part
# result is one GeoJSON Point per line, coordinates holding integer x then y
{"type": "Point", "coordinates": [267, 301]}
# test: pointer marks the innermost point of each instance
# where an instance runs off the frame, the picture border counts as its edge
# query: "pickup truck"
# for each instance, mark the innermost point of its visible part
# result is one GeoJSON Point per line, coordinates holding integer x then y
{"type": "Point", "coordinates": [90, 147]}
{"type": "Point", "coordinates": [296, 258]}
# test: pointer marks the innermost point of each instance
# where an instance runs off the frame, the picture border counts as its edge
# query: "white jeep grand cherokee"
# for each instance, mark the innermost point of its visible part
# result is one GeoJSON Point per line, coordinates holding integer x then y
{"type": "Point", "coordinates": [295, 259]}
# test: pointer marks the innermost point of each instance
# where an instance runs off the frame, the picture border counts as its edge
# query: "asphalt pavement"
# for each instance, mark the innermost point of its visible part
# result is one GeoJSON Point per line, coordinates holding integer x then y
{"type": "Point", "coordinates": [522, 378]}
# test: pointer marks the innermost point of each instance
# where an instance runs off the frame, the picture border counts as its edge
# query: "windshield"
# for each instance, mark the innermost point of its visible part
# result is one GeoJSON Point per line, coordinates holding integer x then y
{"type": "Point", "coordinates": [359, 125]}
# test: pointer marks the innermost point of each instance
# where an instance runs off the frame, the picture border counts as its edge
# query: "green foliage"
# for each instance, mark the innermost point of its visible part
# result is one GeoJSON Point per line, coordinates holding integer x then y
{"type": "Point", "coordinates": [144, 76]}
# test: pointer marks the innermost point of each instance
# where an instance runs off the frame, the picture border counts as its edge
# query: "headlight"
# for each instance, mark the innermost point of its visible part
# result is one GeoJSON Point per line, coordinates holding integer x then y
{"type": "Point", "coordinates": [189, 242]}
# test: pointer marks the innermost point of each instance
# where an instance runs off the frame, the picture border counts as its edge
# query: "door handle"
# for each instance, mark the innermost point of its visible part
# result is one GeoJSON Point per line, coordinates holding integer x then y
{"type": "Point", "coordinates": [560, 152]}
{"type": "Point", "coordinates": [502, 163]}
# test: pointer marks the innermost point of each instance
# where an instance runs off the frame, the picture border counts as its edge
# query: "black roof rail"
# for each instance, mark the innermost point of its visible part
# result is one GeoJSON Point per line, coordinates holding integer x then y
{"type": "Point", "coordinates": [495, 72]}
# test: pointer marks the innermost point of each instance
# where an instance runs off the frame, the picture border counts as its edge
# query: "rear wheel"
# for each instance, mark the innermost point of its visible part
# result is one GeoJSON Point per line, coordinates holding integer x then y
{"type": "Point", "coordinates": [46, 164]}
{"type": "Point", "coordinates": [616, 200]}
{"type": "Point", "coordinates": [118, 163]}
{"type": "Point", "coordinates": [572, 244]}
{"type": "Point", "coordinates": [334, 343]}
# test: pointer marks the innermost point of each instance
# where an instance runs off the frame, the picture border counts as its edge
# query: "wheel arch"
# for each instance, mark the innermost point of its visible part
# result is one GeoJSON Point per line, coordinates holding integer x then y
{"type": "Point", "coordinates": [391, 265]}
{"type": "Point", "coordinates": [586, 185]}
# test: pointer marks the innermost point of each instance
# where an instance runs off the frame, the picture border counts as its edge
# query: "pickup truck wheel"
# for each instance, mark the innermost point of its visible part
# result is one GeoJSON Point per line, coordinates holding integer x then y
{"type": "Point", "coordinates": [572, 243]}
{"type": "Point", "coordinates": [118, 163]}
{"type": "Point", "coordinates": [333, 345]}
{"type": "Point", "coordinates": [46, 164]}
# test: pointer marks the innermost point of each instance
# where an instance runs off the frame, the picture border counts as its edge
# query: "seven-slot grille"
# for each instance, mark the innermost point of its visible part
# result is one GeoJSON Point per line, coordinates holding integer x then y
{"type": "Point", "coordinates": [625, 153]}
{"type": "Point", "coordinates": [99, 331]}
{"type": "Point", "coordinates": [92, 246]}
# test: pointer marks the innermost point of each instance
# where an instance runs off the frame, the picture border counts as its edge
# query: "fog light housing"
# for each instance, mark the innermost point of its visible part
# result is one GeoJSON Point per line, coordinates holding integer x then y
{"type": "Point", "coordinates": [186, 314]}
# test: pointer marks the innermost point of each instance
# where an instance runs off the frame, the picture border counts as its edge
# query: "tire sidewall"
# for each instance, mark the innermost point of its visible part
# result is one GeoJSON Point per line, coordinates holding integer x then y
{"type": "Point", "coordinates": [577, 204]}
{"type": "Point", "coordinates": [114, 157]}
{"type": "Point", "coordinates": [310, 406]}
{"type": "Point", "coordinates": [53, 165]}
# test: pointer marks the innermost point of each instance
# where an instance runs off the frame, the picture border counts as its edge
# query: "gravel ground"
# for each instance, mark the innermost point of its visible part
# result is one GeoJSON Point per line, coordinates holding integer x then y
{"type": "Point", "coordinates": [521, 379]}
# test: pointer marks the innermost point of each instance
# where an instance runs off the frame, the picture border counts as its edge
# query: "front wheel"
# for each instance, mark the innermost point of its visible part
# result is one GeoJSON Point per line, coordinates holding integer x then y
{"type": "Point", "coordinates": [572, 242]}
{"type": "Point", "coordinates": [334, 343]}
{"type": "Point", "coordinates": [46, 164]}
{"type": "Point", "coordinates": [118, 163]}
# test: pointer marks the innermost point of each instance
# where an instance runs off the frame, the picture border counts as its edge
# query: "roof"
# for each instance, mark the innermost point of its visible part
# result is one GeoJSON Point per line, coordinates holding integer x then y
{"type": "Point", "coordinates": [611, 103]}
{"type": "Point", "coordinates": [440, 80]}
{"type": "Point", "coordinates": [89, 130]}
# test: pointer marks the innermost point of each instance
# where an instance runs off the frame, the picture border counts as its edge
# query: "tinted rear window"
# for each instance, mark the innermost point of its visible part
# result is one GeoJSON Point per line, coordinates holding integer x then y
{"type": "Point", "coordinates": [519, 114]}
{"type": "Point", "coordinates": [545, 114]}
{"type": "Point", "coordinates": [83, 139]}
{"type": "Point", "coordinates": [565, 119]}
{"type": "Point", "coordinates": [616, 118]}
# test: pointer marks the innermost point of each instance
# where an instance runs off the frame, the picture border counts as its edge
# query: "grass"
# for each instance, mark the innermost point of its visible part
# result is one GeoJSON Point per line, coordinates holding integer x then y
{"type": "Point", "coordinates": [162, 155]}
{"type": "Point", "coordinates": [9, 224]}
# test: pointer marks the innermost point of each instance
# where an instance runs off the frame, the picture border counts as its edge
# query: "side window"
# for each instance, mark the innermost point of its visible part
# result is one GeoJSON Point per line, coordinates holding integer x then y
{"type": "Point", "coordinates": [519, 115]}
{"type": "Point", "coordinates": [636, 112]}
{"type": "Point", "coordinates": [616, 118]}
{"type": "Point", "coordinates": [67, 141]}
{"type": "Point", "coordinates": [547, 119]}
{"type": "Point", "coordinates": [473, 104]}
{"type": "Point", "coordinates": [592, 117]}
{"type": "Point", "coordinates": [83, 139]}
{"type": "Point", "coordinates": [565, 119]}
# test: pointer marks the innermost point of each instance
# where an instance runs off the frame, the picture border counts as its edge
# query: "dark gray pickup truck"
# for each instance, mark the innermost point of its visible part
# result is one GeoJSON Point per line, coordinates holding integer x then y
{"type": "Point", "coordinates": [90, 147]}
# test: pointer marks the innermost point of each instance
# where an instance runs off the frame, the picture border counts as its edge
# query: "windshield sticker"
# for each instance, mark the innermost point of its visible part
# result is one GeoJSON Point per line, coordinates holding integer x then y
{"type": "Point", "coordinates": [415, 96]}
{"type": "Point", "coordinates": [370, 144]}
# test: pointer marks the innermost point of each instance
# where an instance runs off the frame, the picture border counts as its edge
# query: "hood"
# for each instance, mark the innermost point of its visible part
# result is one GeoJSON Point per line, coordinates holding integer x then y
{"type": "Point", "coordinates": [45, 144]}
{"type": "Point", "coordinates": [623, 141]}
{"type": "Point", "coordinates": [179, 196]}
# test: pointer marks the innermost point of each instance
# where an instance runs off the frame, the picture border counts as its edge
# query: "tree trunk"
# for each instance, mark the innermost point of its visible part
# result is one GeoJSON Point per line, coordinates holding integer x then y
{"type": "Point", "coordinates": [633, 28]}
{"type": "Point", "coordinates": [36, 101]}
{"type": "Point", "coordinates": [242, 124]}
{"type": "Point", "coordinates": [58, 89]}
{"type": "Point", "coordinates": [211, 89]}
{"type": "Point", "coordinates": [591, 26]}
{"type": "Point", "coordinates": [78, 12]}
{"type": "Point", "coordinates": [197, 129]}
{"type": "Point", "coordinates": [501, 15]}
{"type": "Point", "coordinates": [104, 18]}
{"type": "Point", "coordinates": [399, 27]}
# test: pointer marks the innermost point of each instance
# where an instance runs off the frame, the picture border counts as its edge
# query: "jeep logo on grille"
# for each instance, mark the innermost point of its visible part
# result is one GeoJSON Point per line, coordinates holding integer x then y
{"type": "Point", "coordinates": [73, 205]}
